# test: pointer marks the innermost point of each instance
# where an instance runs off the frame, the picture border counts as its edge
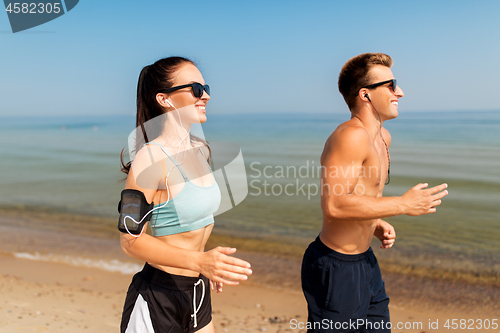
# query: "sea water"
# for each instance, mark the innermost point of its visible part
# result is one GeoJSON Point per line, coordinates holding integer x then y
{"type": "Point", "coordinates": [72, 164]}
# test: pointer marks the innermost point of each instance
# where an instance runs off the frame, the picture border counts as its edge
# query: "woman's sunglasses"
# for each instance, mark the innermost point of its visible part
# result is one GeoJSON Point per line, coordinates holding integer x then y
{"type": "Point", "coordinates": [198, 89]}
{"type": "Point", "coordinates": [375, 85]}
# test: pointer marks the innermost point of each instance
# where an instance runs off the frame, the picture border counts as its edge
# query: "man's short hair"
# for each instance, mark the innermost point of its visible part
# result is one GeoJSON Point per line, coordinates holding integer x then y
{"type": "Point", "coordinates": [355, 74]}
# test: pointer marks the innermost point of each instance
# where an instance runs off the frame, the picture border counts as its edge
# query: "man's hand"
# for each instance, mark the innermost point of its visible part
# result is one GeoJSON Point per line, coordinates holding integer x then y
{"type": "Point", "coordinates": [386, 233]}
{"type": "Point", "coordinates": [418, 201]}
{"type": "Point", "coordinates": [216, 286]}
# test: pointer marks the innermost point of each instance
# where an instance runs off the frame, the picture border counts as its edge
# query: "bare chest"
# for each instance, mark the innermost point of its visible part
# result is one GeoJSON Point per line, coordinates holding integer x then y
{"type": "Point", "coordinates": [374, 171]}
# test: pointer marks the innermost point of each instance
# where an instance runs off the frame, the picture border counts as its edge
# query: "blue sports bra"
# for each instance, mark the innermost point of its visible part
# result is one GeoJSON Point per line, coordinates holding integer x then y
{"type": "Point", "coordinates": [192, 208]}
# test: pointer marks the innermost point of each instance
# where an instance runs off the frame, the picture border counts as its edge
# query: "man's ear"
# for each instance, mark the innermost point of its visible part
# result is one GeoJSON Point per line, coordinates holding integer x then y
{"type": "Point", "coordinates": [363, 94]}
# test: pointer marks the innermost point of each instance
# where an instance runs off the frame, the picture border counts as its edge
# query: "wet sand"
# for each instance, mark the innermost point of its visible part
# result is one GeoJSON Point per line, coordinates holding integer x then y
{"type": "Point", "coordinates": [51, 297]}
{"type": "Point", "coordinates": [44, 296]}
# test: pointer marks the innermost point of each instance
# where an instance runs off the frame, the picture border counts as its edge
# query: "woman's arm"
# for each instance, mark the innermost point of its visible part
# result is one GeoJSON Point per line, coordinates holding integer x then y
{"type": "Point", "coordinates": [215, 264]}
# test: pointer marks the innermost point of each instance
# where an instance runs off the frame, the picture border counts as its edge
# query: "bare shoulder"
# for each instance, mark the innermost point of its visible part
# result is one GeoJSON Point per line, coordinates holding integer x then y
{"type": "Point", "coordinates": [148, 155]}
{"type": "Point", "coordinates": [387, 136]}
{"type": "Point", "coordinates": [204, 147]}
{"type": "Point", "coordinates": [148, 168]}
{"type": "Point", "coordinates": [348, 139]}
{"type": "Point", "coordinates": [348, 135]}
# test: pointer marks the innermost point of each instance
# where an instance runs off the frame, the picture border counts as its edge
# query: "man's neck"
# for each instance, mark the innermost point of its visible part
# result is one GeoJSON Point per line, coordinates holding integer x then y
{"type": "Point", "coordinates": [370, 120]}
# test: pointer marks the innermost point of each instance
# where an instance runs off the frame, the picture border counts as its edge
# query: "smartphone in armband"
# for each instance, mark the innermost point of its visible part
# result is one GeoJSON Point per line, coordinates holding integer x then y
{"type": "Point", "coordinates": [133, 208]}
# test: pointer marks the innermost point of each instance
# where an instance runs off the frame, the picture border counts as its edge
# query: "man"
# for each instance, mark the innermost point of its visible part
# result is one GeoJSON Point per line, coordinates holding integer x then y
{"type": "Point", "coordinates": [341, 278]}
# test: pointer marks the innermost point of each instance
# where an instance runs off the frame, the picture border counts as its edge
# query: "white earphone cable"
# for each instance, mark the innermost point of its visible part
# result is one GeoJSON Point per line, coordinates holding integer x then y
{"type": "Point", "coordinates": [166, 180]}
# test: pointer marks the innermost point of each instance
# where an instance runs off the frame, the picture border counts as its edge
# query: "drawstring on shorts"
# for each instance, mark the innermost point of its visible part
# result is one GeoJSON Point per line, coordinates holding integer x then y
{"type": "Point", "coordinates": [196, 309]}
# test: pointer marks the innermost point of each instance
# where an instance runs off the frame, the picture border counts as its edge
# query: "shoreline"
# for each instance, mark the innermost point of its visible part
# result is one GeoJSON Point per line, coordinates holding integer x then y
{"type": "Point", "coordinates": [53, 297]}
{"type": "Point", "coordinates": [276, 265]}
{"type": "Point", "coordinates": [46, 231]}
{"type": "Point", "coordinates": [36, 231]}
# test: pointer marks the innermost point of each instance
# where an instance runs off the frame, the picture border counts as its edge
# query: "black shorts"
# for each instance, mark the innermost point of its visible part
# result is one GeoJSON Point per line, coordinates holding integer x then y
{"type": "Point", "coordinates": [344, 293]}
{"type": "Point", "coordinates": [161, 302]}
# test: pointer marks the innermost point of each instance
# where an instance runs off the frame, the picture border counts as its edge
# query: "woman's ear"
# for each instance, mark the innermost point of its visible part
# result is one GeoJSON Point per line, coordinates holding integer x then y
{"type": "Point", "coordinates": [163, 101]}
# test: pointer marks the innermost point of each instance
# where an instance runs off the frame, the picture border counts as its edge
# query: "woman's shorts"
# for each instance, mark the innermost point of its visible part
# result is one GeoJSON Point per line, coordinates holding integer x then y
{"type": "Point", "coordinates": [161, 302]}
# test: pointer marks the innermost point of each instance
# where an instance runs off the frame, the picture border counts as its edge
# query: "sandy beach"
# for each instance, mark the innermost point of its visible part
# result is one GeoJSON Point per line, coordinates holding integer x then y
{"type": "Point", "coordinates": [51, 297]}
{"type": "Point", "coordinates": [56, 276]}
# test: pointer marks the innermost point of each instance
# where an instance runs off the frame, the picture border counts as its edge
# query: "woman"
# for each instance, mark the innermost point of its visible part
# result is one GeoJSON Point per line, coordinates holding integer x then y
{"type": "Point", "coordinates": [171, 170]}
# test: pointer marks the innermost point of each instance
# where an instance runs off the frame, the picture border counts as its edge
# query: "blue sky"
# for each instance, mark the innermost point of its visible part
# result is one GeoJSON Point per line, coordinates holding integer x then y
{"type": "Point", "coordinates": [257, 56]}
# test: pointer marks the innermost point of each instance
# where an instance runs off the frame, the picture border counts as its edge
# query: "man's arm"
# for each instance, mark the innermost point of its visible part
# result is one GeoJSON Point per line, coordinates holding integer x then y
{"type": "Point", "coordinates": [342, 198]}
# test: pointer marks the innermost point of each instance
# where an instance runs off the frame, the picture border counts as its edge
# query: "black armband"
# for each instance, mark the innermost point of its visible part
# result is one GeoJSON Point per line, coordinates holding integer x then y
{"type": "Point", "coordinates": [133, 208]}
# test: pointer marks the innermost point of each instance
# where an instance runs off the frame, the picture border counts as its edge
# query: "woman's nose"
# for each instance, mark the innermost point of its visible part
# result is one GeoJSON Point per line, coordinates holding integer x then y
{"type": "Point", "coordinates": [205, 96]}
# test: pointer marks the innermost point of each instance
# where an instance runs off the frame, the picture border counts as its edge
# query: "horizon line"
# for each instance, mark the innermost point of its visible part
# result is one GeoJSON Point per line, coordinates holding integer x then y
{"type": "Point", "coordinates": [231, 114]}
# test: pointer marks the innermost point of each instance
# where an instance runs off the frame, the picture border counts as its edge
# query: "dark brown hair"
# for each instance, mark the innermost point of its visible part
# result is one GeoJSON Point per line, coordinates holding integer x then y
{"type": "Point", "coordinates": [152, 79]}
{"type": "Point", "coordinates": [355, 74]}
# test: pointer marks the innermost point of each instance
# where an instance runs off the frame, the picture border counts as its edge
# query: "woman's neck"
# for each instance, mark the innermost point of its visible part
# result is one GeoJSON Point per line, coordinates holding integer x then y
{"type": "Point", "coordinates": [175, 131]}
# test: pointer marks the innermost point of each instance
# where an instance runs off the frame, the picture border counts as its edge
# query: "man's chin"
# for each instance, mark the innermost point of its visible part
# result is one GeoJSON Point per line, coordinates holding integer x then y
{"type": "Point", "coordinates": [393, 116]}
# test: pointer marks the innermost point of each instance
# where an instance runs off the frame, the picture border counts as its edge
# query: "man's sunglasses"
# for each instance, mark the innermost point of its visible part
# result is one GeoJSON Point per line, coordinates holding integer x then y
{"type": "Point", "coordinates": [197, 89]}
{"type": "Point", "coordinates": [375, 85]}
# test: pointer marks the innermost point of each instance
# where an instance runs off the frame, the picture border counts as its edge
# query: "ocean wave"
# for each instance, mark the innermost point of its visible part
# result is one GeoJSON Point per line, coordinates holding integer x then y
{"type": "Point", "coordinates": [111, 265]}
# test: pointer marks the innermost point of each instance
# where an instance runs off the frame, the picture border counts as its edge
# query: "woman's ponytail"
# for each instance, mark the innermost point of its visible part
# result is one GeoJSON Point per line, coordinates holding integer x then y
{"type": "Point", "coordinates": [153, 78]}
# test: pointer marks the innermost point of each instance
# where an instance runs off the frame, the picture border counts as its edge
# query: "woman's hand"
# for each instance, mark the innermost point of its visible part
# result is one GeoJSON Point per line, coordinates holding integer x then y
{"type": "Point", "coordinates": [221, 269]}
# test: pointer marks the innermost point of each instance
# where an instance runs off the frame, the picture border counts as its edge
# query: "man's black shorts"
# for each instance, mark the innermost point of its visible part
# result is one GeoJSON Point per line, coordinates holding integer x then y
{"type": "Point", "coordinates": [161, 302]}
{"type": "Point", "coordinates": [343, 289]}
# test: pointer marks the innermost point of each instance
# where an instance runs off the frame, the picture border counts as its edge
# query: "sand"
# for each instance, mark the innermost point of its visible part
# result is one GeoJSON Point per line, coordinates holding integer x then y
{"type": "Point", "coordinates": [51, 297]}
{"type": "Point", "coordinates": [39, 296]}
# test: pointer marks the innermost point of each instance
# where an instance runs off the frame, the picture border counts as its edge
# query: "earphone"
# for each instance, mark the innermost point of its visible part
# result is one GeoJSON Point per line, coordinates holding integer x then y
{"type": "Point", "coordinates": [386, 147]}
{"type": "Point", "coordinates": [166, 178]}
